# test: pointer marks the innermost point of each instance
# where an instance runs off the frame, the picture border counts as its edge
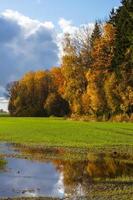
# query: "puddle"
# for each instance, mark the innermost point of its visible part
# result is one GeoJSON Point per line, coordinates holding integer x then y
{"type": "Point", "coordinates": [28, 178]}
{"type": "Point", "coordinates": [6, 148]}
{"type": "Point", "coordinates": [63, 173]}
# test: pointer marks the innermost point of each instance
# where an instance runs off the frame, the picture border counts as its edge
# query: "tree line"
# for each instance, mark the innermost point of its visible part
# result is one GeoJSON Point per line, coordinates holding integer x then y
{"type": "Point", "coordinates": [94, 80]}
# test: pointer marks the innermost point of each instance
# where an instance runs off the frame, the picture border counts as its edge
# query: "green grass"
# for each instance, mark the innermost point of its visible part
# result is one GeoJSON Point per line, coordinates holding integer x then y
{"type": "Point", "coordinates": [60, 132]}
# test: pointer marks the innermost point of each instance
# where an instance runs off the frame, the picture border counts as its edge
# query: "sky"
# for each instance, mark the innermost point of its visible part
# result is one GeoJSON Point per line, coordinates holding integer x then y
{"type": "Point", "coordinates": [31, 31]}
{"type": "Point", "coordinates": [4, 104]}
{"type": "Point", "coordinates": [79, 11]}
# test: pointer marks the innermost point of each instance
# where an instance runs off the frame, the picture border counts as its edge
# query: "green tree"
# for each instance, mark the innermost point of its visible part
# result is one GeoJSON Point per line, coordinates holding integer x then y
{"type": "Point", "coordinates": [123, 21]}
{"type": "Point", "coordinates": [122, 62]}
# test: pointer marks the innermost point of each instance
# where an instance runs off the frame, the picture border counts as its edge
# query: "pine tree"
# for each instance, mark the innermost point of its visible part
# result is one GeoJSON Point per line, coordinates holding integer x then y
{"type": "Point", "coordinates": [96, 34]}
{"type": "Point", "coordinates": [123, 21]}
{"type": "Point", "coordinates": [123, 55]}
{"type": "Point", "coordinates": [112, 16]}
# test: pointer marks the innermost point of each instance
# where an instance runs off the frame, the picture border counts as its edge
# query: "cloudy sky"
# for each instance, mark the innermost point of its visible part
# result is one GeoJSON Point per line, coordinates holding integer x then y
{"type": "Point", "coordinates": [30, 29]}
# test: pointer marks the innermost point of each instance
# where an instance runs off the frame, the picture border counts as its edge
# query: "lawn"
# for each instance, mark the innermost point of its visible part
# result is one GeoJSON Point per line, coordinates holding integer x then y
{"type": "Point", "coordinates": [60, 132]}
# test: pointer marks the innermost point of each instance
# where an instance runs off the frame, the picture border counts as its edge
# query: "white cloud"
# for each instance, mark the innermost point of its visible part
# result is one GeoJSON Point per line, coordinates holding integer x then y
{"type": "Point", "coordinates": [67, 26]}
{"type": "Point", "coordinates": [4, 104]}
{"type": "Point", "coordinates": [26, 45]}
{"type": "Point", "coordinates": [29, 25]}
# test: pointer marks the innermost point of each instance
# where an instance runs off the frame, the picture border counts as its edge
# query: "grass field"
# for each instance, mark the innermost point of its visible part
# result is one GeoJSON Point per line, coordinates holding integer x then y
{"type": "Point", "coordinates": [60, 132]}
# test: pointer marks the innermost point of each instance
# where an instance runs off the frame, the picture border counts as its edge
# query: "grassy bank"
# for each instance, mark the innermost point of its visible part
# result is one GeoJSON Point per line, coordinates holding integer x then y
{"type": "Point", "coordinates": [60, 132]}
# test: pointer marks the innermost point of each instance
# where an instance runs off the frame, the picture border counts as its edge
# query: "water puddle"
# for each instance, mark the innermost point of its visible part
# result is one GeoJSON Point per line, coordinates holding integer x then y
{"type": "Point", "coordinates": [63, 173]}
{"type": "Point", "coordinates": [8, 149]}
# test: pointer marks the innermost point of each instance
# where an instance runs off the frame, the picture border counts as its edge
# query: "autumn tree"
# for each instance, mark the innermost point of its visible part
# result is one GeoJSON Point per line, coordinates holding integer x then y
{"type": "Point", "coordinates": [94, 100]}
{"type": "Point", "coordinates": [37, 94]}
{"type": "Point", "coordinates": [58, 79]}
{"type": "Point", "coordinates": [82, 42]}
{"type": "Point", "coordinates": [74, 74]}
{"type": "Point", "coordinates": [55, 105]}
{"type": "Point", "coordinates": [31, 93]}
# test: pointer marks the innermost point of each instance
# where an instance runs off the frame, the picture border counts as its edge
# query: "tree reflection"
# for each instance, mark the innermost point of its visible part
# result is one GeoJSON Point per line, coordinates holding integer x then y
{"type": "Point", "coordinates": [81, 175]}
{"type": "Point", "coordinates": [2, 164]}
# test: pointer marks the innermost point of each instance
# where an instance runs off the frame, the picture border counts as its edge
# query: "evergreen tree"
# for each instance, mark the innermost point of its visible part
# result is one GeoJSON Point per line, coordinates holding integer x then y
{"type": "Point", "coordinates": [96, 34]}
{"type": "Point", "coordinates": [112, 16]}
{"type": "Point", "coordinates": [123, 21]}
{"type": "Point", "coordinates": [123, 56]}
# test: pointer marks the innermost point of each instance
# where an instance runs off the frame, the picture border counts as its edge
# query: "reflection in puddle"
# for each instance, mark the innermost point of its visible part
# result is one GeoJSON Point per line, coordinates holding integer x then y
{"type": "Point", "coordinates": [27, 178]}
{"type": "Point", "coordinates": [6, 148]}
{"type": "Point", "coordinates": [2, 164]}
{"type": "Point", "coordinates": [58, 177]}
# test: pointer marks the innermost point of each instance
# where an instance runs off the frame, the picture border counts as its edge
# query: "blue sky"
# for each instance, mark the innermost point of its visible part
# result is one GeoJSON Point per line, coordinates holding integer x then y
{"type": "Point", "coordinates": [30, 29]}
{"type": "Point", "coordinates": [79, 11]}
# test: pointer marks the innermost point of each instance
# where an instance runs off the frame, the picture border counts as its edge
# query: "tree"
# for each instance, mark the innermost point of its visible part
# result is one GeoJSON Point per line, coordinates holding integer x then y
{"type": "Point", "coordinates": [73, 73]}
{"type": "Point", "coordinates": [58, 80]}
{"type": "Point", "coordinates": [57, 106]}
{"type": "Point", "coordinates": [123, 22]}
{"type": "Point", "coordinates": [36, 94]}
{"type": "Point", "coordinates": [12, 90]}
{"type": "Point", "coordinates": [82, 42]}
{"type": "Point", "coordinates": [44, 85]}
{"type": "Point", "coordinates": [94, 102]}
{"type": "Point", "coordinates": [122, 62]}
{"type": "Point", "coordinates": [30, 93]}
{"type": "Point", "coordinates": [94, 99]}
{"type": "Point", "coordinates": [103, 49]}
{"type": "Point", "coordinates": [112, 93]}
{"type": "Point", "coordinates": [96, 34]}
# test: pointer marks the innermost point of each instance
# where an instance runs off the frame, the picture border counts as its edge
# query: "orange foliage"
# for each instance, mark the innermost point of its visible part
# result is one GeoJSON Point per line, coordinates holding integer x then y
{"type": "Point", "coordinates": [103, 49]}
